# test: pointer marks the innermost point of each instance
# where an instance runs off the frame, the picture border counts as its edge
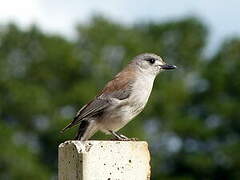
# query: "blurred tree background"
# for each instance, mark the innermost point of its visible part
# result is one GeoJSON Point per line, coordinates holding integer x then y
{"type": "Point", "coordinates": [191, 121]}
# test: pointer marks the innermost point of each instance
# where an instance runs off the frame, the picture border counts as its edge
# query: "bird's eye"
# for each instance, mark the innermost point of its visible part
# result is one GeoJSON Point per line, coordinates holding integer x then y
{"type": "Point", "coordinates": [151, 61]}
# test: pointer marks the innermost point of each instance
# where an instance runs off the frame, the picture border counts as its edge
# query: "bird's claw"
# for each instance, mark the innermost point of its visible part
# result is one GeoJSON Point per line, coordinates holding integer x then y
{"type": "Point", "coordinates": [133, 139]}
{"type": "Point", "coordinates": [120, 137]}
{"type": "Point", "coordinates": [129, 139]}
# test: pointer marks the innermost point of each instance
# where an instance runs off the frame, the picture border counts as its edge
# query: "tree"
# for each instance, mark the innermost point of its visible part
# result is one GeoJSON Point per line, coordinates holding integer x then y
{"type": "Point", "coordinates": [190, 122]}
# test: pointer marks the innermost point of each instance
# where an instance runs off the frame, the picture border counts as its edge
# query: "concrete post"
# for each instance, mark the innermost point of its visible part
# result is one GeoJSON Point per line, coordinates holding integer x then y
{"type": "Point", "coordinates": [104, 160]}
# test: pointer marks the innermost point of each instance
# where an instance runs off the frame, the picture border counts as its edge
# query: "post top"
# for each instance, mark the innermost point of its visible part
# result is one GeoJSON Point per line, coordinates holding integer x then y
{"type": "Point", "coordinates": [85, 146]}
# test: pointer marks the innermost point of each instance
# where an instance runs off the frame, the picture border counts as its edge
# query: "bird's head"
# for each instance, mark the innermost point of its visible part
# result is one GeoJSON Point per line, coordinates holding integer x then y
{"type": "Point", "coordinates": [151, 64]}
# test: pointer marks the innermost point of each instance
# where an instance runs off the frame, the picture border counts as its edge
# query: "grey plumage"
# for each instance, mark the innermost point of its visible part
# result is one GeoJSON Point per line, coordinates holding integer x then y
{"type": "Point", "coordinates": [121, 100]}
{"type": "Point", "coordinates": [88, 111]}
{"type": "Point", "coordinates": [97, 106]}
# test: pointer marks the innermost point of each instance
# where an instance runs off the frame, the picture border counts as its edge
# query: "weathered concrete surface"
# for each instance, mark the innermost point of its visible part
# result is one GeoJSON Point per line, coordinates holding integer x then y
{"type": "Point", "coordinates": [104, 160]}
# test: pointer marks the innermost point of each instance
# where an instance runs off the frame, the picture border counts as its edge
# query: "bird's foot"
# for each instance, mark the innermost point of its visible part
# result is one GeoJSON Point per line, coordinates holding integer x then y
{"type": "Point", "coordinates": [133, 139]}
{"type": "Point", "coordinates": [124, 138]}
{"type": "Point", "coordinates": [120, 137]}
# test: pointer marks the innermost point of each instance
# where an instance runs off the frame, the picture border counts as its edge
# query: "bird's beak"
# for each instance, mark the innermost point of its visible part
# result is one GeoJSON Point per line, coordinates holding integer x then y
{"type": "Point", "coordinates": [168, 67]}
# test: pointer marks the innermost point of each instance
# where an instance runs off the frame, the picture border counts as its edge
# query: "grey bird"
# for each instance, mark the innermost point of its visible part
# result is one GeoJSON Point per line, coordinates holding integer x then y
{"type": "Point", "coordinates": [122, 99]}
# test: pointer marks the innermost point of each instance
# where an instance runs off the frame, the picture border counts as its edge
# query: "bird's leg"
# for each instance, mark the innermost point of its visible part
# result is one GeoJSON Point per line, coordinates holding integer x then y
{"type": "Point", "coordinates": [116, 135]}
{"type": "Point", "coordinates": [125, 138]}
{"type": "Point", "coordinates": [121, 137]}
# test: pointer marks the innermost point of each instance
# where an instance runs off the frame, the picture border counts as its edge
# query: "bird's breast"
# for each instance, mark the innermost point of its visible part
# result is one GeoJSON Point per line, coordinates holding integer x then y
{"type": "Point", "coordinates": [124, 111]}
{"type": "Point", "coordinates": [140, 94]}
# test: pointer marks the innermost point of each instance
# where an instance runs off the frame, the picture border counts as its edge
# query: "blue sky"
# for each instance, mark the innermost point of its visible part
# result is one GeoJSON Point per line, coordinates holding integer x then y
{"type": "Point", "coordinates": [222, 17]}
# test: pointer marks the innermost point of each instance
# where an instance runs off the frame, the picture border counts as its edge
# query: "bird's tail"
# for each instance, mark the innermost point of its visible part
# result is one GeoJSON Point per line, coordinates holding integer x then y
{"type": "Point", "coordinates": [71, 124]}
{"type": "Point", "coordinates": [82, 129]}
{"type": "Point", "coordinates": [85, 131]}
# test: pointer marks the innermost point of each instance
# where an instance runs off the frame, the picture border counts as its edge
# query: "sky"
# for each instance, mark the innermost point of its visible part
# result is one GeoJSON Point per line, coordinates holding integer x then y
{"type": "Point", "coordinates": [61, 16]}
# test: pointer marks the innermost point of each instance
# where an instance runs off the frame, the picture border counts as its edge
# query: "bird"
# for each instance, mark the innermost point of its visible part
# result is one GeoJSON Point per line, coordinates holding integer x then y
{"type": "Point", "coordinates": [122, 99]}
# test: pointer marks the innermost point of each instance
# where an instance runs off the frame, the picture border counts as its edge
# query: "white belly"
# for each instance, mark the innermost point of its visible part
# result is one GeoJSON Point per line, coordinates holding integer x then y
{"type": "Point", "coordinates": [120, 115]}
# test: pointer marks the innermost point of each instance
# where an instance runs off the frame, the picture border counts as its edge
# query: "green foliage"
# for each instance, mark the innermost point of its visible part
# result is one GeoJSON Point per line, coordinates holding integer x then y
{"type": "Point", "coordinates": [192, 119]}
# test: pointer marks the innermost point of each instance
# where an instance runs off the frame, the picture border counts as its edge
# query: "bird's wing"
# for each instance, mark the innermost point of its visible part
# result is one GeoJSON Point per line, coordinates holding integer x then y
{"type": "Point", "coordinates": [118, 88]}
{"type": "Point", "coordinates": [92, 108]}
